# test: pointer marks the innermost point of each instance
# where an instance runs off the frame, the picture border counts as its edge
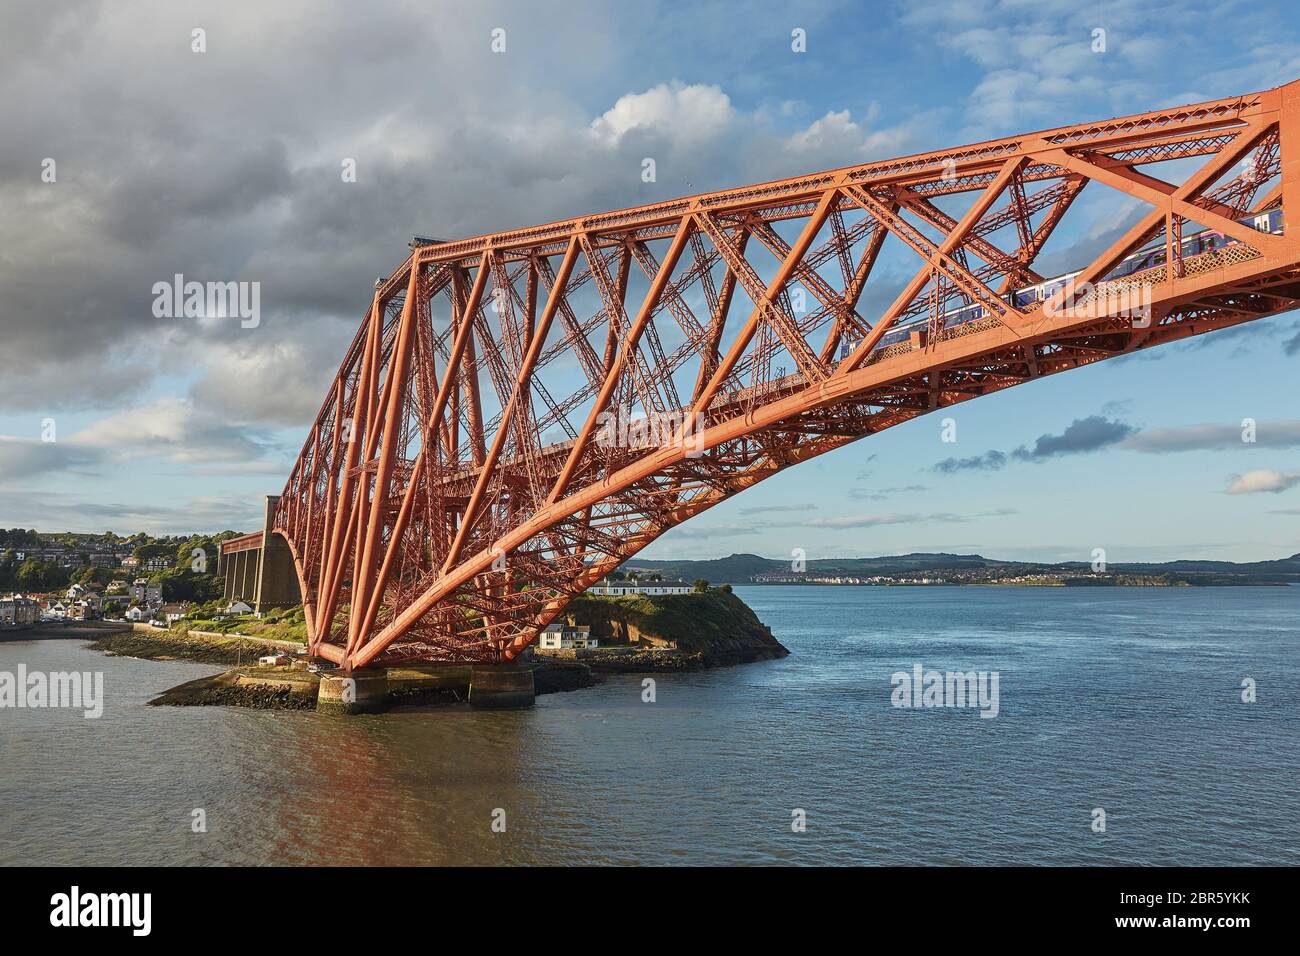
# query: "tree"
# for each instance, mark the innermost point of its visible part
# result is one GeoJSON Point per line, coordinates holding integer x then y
{"type": "Point", "coordinates": [8, 568]}
{"type": "Point", "coordinates": [91, 575]}
{"type": "Point", "coordinates": [32, 575]}
{"type": "Point", "coordinates": [701, 586]}
{"type": "Point", "coordinates": [154, 550]}
{"type": "Point", "coordinates": [187, 554]}
{"type": "Point", "coordinates": [180, 584]}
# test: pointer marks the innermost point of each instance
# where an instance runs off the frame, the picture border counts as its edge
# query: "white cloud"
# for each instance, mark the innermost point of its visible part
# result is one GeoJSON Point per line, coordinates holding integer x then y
{"type": "Point", "coordinates": [841, 140]}
{"type": "Point", "coordinates": [683, 114]}
{"type": "Point", "coordinates": [1262, 479]}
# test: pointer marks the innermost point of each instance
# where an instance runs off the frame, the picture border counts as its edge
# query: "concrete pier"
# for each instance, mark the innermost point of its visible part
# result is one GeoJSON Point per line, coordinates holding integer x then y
{"type": "Point", "coordinates": [501, 686]}
{"type": "Point", "coordinates": [258, 567]}
{"type": "Point", "coordinates": [361, 692]}
{"type": "Point", "coordinates": [370, 691]}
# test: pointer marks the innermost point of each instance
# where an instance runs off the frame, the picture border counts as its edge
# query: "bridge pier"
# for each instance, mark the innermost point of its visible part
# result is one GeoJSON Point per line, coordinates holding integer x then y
{"type": "Point", "coordinates": [369, 691]}
{"type": "Point", "coordinates": [361, 692]}
{"type": "Point", "coordinates": [258, 568]}
{"type": "Point", "coordinates": [501, 686]}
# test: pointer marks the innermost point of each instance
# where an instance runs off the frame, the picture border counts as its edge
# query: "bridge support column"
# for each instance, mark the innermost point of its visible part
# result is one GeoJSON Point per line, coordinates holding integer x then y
{"type": "Point", "coordinates": [259, 568]}
{"type": "Point", "coordinates": [277, 580]}
{"type": "Point", "coordinates": [246, 564]}
{"type": "Point", "coordinates": [501, 685]}
{"type": "Point", "coordinates": [361, 692]}
{"type": "Point", "coordinates": [226, 567]}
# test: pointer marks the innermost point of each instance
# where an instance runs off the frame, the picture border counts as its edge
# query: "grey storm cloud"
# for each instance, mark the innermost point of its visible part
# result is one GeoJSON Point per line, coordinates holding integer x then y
{"type": "Point", "coordinates": [1209, 437]}
{"type": "Point", "coordinates": [1097, 432]}
{"type": "Point", "coordinates": [1081, 435]}
{"type": "Point", "coordinates": [170, 430]}
{"type": "Point", "coordinates": [991, 460]}
{"type": "Point", "coordinates": [26, 458]}
{"type": "Point", "coordinates": [226, 165]}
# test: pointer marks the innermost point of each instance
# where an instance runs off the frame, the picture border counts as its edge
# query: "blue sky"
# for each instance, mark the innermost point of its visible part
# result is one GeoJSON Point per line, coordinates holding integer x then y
{"type": "Point", "coordinates": [224, 163]}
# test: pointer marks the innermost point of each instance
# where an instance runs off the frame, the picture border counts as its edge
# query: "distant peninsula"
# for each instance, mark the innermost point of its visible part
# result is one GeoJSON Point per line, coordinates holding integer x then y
{"type": "Point", "coordinates": [929, 568]}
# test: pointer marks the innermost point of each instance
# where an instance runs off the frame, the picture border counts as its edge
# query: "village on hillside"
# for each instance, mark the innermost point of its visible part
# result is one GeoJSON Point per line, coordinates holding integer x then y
{"type": "Point", "coordinates": [76, 578]}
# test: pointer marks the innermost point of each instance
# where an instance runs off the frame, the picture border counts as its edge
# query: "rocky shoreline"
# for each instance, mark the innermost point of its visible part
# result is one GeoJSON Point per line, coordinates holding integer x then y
{"type": "Point", "coordinates": [683, 632]}
{"type": "Point", "coordinates": [661, 661]}
{"type": "Point", "coordinates": [179, 646]}
{"type": "Point", "coordinates": [644, 636]}
{"type": "Point", "coordinates": [225, 690]}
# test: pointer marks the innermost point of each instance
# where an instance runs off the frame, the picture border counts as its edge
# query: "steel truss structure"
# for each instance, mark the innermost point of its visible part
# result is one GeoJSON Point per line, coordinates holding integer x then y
{"type": "Point", "coordinates": [520, 413]}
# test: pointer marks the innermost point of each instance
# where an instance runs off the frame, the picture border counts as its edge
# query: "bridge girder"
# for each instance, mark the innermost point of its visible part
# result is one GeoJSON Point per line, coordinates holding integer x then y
{"type": "Point", "coordinates": [446, 504]}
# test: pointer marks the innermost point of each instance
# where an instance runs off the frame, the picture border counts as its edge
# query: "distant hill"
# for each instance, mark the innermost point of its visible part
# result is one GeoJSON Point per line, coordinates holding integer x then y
{"type": "Point", "coordinates": [736, 568]}
{"type": "Point", "coordinates": [743, 568]}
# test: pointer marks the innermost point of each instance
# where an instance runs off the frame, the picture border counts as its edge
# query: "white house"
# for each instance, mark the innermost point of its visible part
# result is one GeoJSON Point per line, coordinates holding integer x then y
{"type": "Point", "coordinates": [558, 636]}
{"type": "Point", "coordinates": [238, 607]}
{"type": "Point", "coordinates": [83, 592]}
{"type": "Point", "coordinates": [135, 614]}
{"type": "Point", "coordinates": [608, 588]}
{"type": "Point", "coordinates": [171, 613]}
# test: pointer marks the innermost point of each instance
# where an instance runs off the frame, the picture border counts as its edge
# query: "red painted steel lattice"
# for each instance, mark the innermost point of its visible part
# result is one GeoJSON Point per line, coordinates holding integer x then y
{"type": "Point", "coordinates": [461, 483]}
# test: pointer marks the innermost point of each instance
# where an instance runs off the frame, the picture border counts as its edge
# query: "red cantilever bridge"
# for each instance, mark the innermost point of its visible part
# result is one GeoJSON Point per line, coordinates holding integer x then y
{"type": "Point", "coordinates": [521, 412]}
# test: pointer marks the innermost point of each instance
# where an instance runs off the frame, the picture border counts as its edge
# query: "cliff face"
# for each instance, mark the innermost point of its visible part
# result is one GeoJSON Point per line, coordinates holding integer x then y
{"type": "Point", "coordinates": [709, 629]}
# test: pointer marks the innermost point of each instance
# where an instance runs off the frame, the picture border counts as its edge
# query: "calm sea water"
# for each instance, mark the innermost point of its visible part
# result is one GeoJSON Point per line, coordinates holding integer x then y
{"type": "Point", "coordinates": [1123, 699]}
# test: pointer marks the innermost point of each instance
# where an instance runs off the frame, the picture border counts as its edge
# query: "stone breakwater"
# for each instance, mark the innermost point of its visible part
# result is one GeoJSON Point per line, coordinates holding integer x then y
{"type": "Point", "coordinates": [293, 687]}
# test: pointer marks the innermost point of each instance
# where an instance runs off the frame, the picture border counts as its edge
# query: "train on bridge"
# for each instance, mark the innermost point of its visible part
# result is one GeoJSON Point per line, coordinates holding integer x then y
{"type": "Point", "coordinates": [1151, 257]}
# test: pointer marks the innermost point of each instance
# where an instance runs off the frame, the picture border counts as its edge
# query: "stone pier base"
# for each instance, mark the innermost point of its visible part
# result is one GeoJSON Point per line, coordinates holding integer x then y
{"type": "Point", "coordinates": [500, 686]}
{"type": "Point", "coordinates": [362, 692]}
